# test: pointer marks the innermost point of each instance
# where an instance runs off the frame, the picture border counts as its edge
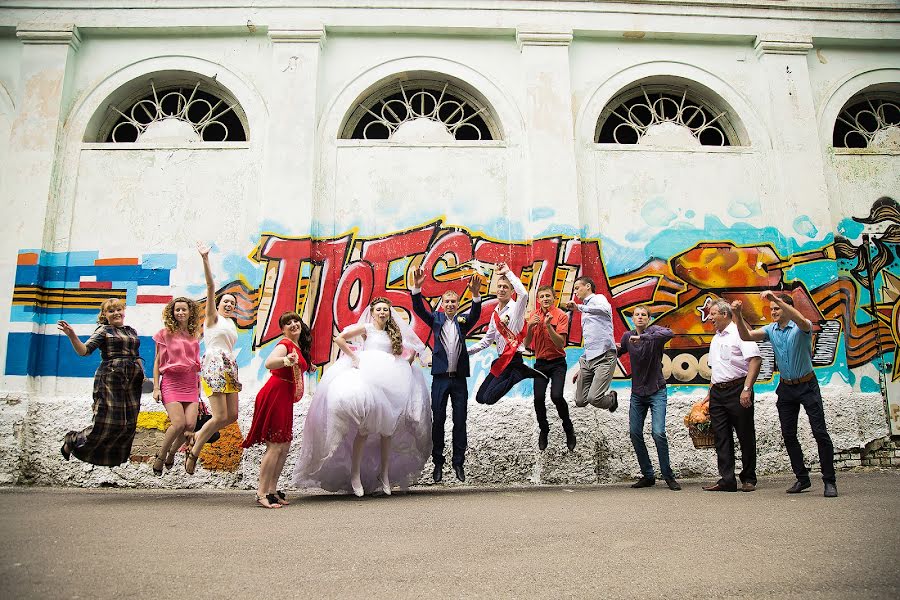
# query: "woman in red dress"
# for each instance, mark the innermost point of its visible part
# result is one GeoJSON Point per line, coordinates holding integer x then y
{"type": "Point", "coordinates": [273, 415]}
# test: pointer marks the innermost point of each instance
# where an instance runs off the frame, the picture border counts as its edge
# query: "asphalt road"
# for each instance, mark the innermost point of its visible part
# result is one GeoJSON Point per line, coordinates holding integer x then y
{"type": "Point", "coordinates": [437, 542]}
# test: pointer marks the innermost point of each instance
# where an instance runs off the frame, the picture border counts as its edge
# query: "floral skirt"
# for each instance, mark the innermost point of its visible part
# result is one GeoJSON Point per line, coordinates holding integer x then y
{"type": "Point", "coordinates": [219, 374]}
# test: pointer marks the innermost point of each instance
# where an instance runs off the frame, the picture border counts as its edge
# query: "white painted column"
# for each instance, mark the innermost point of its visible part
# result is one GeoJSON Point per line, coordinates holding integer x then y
{"type": "Point", "coordinates": [291, 148]}
{"type": "Point", "coordinates": [800, 188]}
{"type": "Point", "coordinates": [27, 200]}
{"type": "Point", "coordinates": [549, 124]}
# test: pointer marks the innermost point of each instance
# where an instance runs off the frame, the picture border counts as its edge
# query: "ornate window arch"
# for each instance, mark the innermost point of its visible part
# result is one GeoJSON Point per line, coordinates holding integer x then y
{"type": "Point", "coordinates": [169, 106]}
{"type": "Point", "coordinates": [669, 113]}
{"type": "Point", "coordinates": [421, 107]}
{"type": "Point", "coordinates": [870, 119]}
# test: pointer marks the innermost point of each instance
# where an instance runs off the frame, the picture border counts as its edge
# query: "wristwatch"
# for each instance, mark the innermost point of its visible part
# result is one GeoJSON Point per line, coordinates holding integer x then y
{"type": "Point", "coordinates": [746, 388]}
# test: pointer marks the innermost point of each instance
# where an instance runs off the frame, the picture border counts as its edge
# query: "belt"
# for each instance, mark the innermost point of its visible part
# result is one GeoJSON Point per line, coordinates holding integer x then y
{"type": "Point", "coordinates": [808, 377]}
{"type": "Point", "coordinates": [452, 375]}
{"type": "Point", "coordinates": [728, 384]}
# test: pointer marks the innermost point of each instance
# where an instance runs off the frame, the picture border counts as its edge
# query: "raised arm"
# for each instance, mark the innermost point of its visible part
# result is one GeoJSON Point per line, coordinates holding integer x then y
{"type": "Point", "coordinates": [212, 316]}
{"type": "Point", "coordinates": [77, 345]}
{"type": "Point", "coordinates": [518, 311]}
{"type": "Point", "coordinates": [792, 313]}
{"type": "Point", "coordinates": [757, 335]}
{"type": "Point", "coordinates": [418, 304]}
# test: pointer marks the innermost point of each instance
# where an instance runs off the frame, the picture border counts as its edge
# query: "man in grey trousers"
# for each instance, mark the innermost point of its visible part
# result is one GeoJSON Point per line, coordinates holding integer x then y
{"type": "Point", "coordinates": [598, 363]}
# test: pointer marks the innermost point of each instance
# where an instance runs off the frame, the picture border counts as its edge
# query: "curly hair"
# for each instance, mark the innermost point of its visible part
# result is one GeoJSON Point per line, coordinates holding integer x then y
{"type": "Point", "coordinates": [193, 323]}
{"type": "Point", "coordinates": [101, 318]}
{"type": "Point", "coordinates": [391, 327]}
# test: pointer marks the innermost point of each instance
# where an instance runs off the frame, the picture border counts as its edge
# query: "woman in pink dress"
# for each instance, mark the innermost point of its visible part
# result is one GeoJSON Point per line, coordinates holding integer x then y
{"type": "Point", "coordinates": [176, 376]}
{"type": "Point", "coordinates": [273, 415]}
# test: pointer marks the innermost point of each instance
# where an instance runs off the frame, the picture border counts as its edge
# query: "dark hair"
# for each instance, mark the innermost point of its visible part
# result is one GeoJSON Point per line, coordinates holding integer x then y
{"type": "Point", "coordinates": [305, 339]}
{"type": "Point", "coordinates": [786, 298]}
{"type": "Point", "coordinates": [588, 282]}
{"type": "Point", "coordinates": [547, 287]}
{"type": "Point", "coordinates": [221, 296]}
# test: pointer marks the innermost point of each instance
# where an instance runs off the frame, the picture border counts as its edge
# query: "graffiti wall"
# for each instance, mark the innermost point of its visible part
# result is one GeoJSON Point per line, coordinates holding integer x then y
{"type": "Point", "coordinates": [330, 280]}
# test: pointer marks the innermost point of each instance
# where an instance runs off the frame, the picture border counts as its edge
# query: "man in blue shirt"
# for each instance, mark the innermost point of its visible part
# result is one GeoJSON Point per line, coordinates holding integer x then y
{"type": "Point", "coordinates": [790, 334]}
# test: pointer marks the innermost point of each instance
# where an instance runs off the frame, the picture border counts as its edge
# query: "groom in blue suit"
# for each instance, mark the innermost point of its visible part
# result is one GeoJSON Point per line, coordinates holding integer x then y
{"type": "Point", "coordinates": [449, 367]}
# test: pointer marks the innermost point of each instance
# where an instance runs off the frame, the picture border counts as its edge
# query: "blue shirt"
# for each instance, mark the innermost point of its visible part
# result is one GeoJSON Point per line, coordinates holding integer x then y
{"type": "Point", "coordinates": [792, 347]}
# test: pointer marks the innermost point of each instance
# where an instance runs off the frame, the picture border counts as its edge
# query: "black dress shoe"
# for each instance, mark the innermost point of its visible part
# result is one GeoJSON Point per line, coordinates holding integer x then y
{"type": "Point", "coordinates": [438, 473]}
{"type": "Point", "coordinates": [830, 490]}
{"type": "Point", "coordinates": [460, 472]}
{"type": "Point", "coordinates": [542, 440]}
{"type": "Point", "coordinates": [570, 437]}
{"type": "Point", "coordinates": [719, 488]}
{"type": "Point", "coordinates": [673, 485]}
{"type": "Point", "coordinates": [615, 402]}
{"type": "Point", "coordinates": [644, 482]}
{"type": "Point", "coordinates": [798, 487]}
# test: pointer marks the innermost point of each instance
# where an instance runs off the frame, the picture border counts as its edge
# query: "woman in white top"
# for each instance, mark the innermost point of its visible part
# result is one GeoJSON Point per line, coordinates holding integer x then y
{"type": "Point", "coordinates": [219, 371]}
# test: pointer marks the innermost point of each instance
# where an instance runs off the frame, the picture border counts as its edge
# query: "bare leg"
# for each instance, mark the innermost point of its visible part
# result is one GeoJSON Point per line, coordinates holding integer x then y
{"type": "Point", "coordinates": [190, 421]}
{"type": "Point", "coordinates": [385, 464]}
{"type": "Point", "coordinates": [279, 467]}
{"type": "Point", "coordinates": [355, 462]}
{"type": "Point", "coordinates": [266, 469]}
{"type": "Point", "coordinates": [174, 433]}
{"type": "Point", "coordinates": [224, 412]}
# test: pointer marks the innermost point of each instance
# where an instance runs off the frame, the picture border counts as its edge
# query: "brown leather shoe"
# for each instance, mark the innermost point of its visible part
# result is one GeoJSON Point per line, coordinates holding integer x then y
{"type": "Point", "coordinates": [718, 488]}
{"type": "Point", "coordinates": [748, 487]}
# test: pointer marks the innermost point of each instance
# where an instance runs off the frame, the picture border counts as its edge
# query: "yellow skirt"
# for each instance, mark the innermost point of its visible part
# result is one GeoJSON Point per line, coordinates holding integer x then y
{"type": "Point", "coordinates": [231, 386]}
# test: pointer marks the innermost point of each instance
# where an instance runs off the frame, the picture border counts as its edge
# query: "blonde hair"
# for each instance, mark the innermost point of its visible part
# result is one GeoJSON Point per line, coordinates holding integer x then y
{"type": "Point", "coordinates": [101, 317]}
{"type": "Point", "coordinates": [193, 322]}
{"type": "Point", "coordinates": [391, 327]}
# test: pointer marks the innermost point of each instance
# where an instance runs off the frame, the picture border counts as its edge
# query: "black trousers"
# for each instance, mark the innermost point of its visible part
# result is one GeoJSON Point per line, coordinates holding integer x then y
{"type": "Point", "coordinates": [555, 370]}
{"type": "Point", "coordinates": [727, 414]}
{"type": "Point", "coordinates": [790, 399]}
{"type": "Point", "coordinates": [443, 387]}
{"type": "Point", "coordinates": [494, 388]}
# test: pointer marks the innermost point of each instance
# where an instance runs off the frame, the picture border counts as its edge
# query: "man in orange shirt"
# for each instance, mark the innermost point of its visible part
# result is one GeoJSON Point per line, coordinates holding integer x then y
{"type": "Point", "coordinates": [548, 327]}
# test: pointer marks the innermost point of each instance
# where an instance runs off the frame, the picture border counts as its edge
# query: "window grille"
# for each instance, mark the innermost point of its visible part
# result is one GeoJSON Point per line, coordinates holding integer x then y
{"type": "Point", "coordinates": [421, 110]}
{"type": "Point", "coordinates": [870, 120]}
{"type": "Point", "coordinates": [665, 116]}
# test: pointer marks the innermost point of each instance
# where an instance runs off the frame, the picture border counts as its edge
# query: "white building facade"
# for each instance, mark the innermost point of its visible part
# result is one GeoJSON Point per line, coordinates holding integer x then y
{"type": "Point", "coordinates": [676, 152]}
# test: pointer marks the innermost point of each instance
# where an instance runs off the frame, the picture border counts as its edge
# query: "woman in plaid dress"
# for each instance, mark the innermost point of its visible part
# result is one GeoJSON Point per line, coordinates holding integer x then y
{"type": "Point", "coordinates": [117, 389]}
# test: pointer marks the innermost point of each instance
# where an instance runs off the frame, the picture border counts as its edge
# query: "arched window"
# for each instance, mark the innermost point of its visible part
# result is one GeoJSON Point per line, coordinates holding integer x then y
{"type": "Point", "coordinates": [870, 119]}
{"type": "Point", "coordinates": [421, 110]}
{"type": "Point", "coordinates": [669, 115]}
{"type": "Point", "coordinates": [170, 107]}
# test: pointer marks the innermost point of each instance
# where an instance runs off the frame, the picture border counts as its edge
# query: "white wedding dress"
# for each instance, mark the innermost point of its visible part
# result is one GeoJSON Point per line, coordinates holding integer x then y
{"type": "Point", "coordinates": [384, 396]}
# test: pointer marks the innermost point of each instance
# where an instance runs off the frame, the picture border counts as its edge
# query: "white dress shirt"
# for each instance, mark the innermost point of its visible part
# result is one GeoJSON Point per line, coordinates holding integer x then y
{"type": "Point", "coordinates": [596, 326]}
{"type": "Point", "coordinates": [729, 355]}
{"type": "Point", "coordinates": [450, 339]}
{"type": "Point", "coordinates": [514, 310]}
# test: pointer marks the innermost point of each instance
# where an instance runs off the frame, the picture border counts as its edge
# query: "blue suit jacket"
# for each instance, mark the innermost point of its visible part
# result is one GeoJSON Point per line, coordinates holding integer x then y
{"type": "Point", "coordinates": [464, 324]}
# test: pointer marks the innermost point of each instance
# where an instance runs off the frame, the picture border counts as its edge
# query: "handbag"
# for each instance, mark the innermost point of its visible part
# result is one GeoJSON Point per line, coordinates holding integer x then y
{"type": "Point", "coordinates": [203, 416]}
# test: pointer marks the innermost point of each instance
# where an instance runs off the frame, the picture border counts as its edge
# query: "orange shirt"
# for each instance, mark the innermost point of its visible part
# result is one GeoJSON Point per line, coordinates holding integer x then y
{"type": "Point", "coordinates": [541, 343]}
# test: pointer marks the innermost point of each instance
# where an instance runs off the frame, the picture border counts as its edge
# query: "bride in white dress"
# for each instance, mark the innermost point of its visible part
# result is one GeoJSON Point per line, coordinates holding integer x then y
{"type": "Point", "coordinates": [369, 423]}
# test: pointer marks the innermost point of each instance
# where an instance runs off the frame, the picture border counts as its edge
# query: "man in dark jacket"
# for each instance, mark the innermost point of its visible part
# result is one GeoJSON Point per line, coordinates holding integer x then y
{"type": "Point", "coordinates": [449, 367]}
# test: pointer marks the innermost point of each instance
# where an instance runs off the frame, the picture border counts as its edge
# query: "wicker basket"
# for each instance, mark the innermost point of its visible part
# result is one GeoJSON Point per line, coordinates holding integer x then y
{"type": "Point", "coordinates": [702, 439]}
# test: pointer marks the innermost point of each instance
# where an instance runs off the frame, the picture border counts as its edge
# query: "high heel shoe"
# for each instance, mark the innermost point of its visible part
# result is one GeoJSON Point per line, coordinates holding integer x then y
{"type": "Point", "coordinates": [190, 463]}
{"type": "Point", "coordinates": [170, 461]}
{"type": "Point", "coordinates": [267, 501]}
{"type": "Point", "coordinates": [357, 488]}
{"type": "Point", "coordinates": [385, 486]}
{"type": "Point", "coordinates": [158, 465]}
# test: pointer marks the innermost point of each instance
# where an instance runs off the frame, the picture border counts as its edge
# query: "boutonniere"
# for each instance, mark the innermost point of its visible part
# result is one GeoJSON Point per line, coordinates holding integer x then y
{"type": "Point", "coordinates": [460, 319]}
{"type": "Point", "coordinates": [505, 319]}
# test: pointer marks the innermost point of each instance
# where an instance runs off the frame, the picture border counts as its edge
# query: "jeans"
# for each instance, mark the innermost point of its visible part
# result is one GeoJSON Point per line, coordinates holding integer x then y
{"type": "Point", "coordinates": [637, 415]}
